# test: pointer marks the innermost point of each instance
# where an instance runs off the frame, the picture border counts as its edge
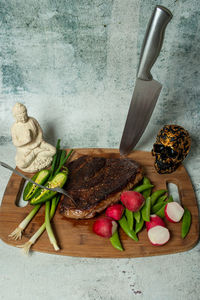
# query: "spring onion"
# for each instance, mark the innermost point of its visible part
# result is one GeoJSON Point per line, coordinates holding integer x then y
{"type": "Point", "coordinates": [63, 161]}
{"type": "Point", "coordinates": [48, 226]}
{"type": "Point", "coordinates": [55, 159]}
{"type": "Point", "coordinates": [27, 246]}
{"type": "Point", "coordinates": [58, 162]}
{"type": "Point", "coordinates": [17, 233]}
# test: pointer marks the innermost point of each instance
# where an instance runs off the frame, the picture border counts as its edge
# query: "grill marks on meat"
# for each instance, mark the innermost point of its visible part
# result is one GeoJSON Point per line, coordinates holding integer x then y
{"type": "Point", "coordinates": [96, 182]}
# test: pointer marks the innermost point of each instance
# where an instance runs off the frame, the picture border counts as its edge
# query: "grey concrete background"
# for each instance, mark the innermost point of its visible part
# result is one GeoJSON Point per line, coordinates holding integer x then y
{"type": "Point", "coordinates": [73, 64]}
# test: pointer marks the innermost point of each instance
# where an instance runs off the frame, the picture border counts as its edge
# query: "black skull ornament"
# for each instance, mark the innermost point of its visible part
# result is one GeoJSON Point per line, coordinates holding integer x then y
{"type": "Point", "coordinates": [170, 149]}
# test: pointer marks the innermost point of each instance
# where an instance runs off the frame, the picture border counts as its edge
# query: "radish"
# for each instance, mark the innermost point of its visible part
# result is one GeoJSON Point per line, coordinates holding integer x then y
{"type": "Point", "coordinates": [105, 227]}
{"type": "Point", "coordinates": [115, 211]}
{"type": "Point", "coordinates": [174, 212]}
{"type": "Point", "coordinates": [132, 200]}
{"type": "Point", "coordinates": [158, 235]}
{"type": "Point", "coordinates": [154, 221]}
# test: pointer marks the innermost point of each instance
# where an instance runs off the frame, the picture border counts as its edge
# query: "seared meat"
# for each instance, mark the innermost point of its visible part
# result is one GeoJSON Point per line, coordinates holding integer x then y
{"type": "Point", "coordinates": [97, 182]}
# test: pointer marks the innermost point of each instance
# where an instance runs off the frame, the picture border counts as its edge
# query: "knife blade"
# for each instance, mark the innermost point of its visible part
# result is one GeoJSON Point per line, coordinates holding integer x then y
{"type": "Point", "coordinates": [147, 90]}
{"type": "Point", "coordinates": [57, 189]}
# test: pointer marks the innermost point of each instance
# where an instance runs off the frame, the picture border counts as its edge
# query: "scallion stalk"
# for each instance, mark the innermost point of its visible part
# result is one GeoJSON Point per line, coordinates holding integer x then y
{"type": "Point", "coordinates": [55, 158]}
{"type": "Point", "coordinates": [60, 161]}
{"type": "Point", "coordinates": [48, 226]}
{"type": "Point", "coordinates": [67, 156]}
{"type": "Point", "coordinates": [17, 233]}
{"type": "Point", "coordinates": [27, 246]}
{"type": "Point", "coordinates": [63, 161]}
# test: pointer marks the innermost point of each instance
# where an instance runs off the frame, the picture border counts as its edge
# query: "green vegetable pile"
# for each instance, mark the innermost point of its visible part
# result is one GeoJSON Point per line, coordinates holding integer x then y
{"type": "Point", "coordinates": [56, 176]}
{"type": "Point", "coordinates": [133, 222]}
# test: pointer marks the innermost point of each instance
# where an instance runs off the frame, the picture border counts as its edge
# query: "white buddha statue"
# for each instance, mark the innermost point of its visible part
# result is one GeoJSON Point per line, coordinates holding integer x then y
{"type": "Point", "coordinates": [33, 153]}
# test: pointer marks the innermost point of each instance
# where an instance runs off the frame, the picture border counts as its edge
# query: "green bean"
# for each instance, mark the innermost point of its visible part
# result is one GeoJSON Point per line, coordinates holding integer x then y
{"type": "Point", "coordinates": [161, 211]}
{"type": "Point", "coordinates": [147, 192]}
{"type": "Point", "coordinates": [146, 209]}
{"type": "Point", "coordinates": [142, 187]}
{"type": "Point", "coordinates": [137, 216]}
{"type": "Point", "coordinates": [138, 226]}
{"type": "Point", "coordinates": [129, 217]}
{"type": "Point", "coordinates": [156, 195]}
{"type": "Point", "coordinates": [115, 241]}
{"type": "Point", "coordinates": [124, 225]}
{"type": "Point", "coordinates": [161, 199]}
{"type": "Point", "coordinates": [186, 223]}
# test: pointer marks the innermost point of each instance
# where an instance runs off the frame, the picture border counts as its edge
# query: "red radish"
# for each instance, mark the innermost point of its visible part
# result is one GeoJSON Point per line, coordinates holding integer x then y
{"type": "Point", "coordinates": [174, 212]}
{"type": "Point", "coordinates": [154, 221]}
{"type": "Point", "coordinates": [158, 235]}
{"type": "Point", "coordinates": [104, 227]}
{"type": "Point", "coordinates": [132, 200]}
{"type": "Point", "coordinates": [115, 211]}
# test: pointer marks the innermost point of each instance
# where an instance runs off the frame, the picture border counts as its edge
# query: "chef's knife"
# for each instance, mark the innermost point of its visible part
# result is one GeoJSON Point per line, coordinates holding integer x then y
{"type": "Point", "coordinates": [57, 189]}
{"type": "Point", "coordinates": [147, 90]}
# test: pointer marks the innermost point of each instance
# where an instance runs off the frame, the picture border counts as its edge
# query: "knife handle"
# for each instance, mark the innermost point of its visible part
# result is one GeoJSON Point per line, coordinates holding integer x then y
{"type": "Point", "coordinates": [153, 41]}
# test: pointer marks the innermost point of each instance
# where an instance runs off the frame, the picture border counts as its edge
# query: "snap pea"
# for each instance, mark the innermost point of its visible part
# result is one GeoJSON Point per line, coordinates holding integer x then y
{"type": "Point", "coordinates": [115, 241]}
{"type": "Point", "coordinates": [30, 190]}
{"type": "Point", "coordinates": [129, 217]}
{"type": "Point", "coordinates": [137, 216]}
{"type": "Point", "coordinates": [161, 199]}
{"type": "Point", "coordinates": [156, 195]}
{"type": "Point", "coordinates": [147, 192]}
{"type": "Point", "coordinates": [139, 225]}
{"type": "Point", "coordinates": [186, 222]}
{"type": "Point", "coordinates": [44, 195]}
{"type": "Point", "coordinates": [157, 207]}
{"type": "Point", "coordinates": [142, 187]}
{"type": "Point", "coordinates": [124, 225]}
{"type": "Point", "coordinates": [146, 209]}
{"type": "Point", "coordinates": [161, 211]}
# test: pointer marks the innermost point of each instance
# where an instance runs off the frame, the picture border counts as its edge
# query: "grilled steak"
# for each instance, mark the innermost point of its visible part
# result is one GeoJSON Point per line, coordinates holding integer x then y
{"type": "Point", "coordinates": [97, 182]}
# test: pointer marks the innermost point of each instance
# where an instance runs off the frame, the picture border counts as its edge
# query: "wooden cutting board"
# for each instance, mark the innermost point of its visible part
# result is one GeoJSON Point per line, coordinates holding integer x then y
{"type": "Point", "coordinates": [75, 237]}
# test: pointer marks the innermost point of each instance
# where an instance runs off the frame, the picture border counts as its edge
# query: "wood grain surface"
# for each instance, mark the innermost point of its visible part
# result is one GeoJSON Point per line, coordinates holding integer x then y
{"type": "Point", "coordinates": [75, 237]}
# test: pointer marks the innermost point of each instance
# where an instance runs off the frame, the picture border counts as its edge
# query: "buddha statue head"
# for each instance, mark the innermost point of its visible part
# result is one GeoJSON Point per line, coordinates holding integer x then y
{"type": "Point", "coordinates": [20, 113]}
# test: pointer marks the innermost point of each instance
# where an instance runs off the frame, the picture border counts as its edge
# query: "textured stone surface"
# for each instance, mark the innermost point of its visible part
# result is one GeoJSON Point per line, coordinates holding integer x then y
{"type": "Point", "coordinates": [73, 64]}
